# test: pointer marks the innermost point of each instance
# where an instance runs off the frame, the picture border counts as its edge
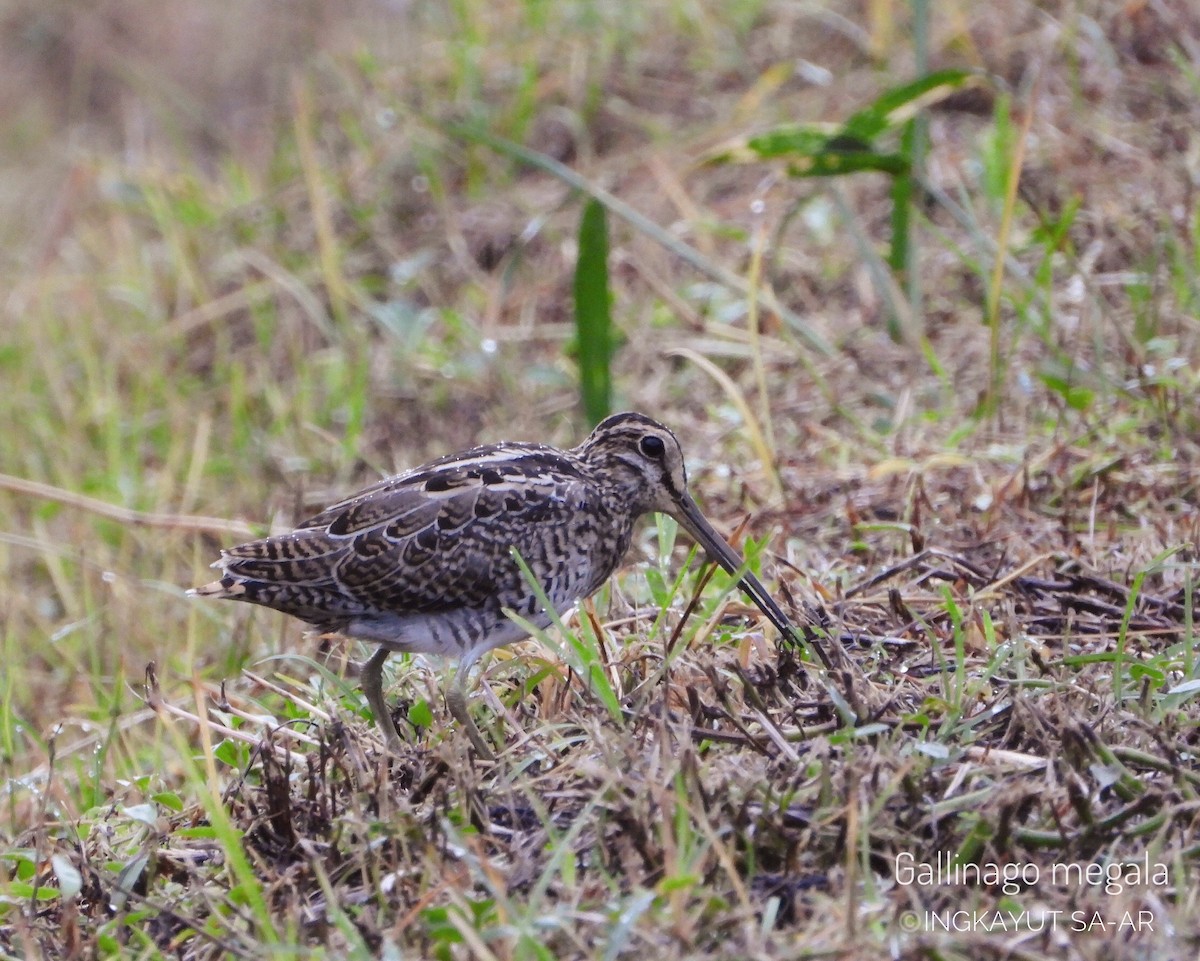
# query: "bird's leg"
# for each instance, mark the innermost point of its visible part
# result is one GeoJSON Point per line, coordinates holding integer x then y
{"type": "Point", "coordinates": [456, 701]}
{"type": "Point", "coordinates": [372, 686]}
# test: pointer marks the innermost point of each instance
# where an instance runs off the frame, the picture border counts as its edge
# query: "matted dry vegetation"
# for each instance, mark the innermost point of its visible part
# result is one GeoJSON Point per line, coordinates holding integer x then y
{"type": "Point", "coordinates": [249, 264]}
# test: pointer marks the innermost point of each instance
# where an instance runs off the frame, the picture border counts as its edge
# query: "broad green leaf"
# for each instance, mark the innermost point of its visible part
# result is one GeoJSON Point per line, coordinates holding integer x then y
{"type": "Point", "coordinates": [169, 800]}
{"type": "Point", "coordinates": [900, 104]}
{"type": "Point", "coordinates": [420, 714]}
{"type": "Point", "coordinates": [25, 892]}
{"type": "Point", "coordinates": [825, 150]}
{"type": "Point", "coordinates": [1076, 396]}
{"type": "Point", "coordinates": [834, 163]}
{"type": "Point", "coordinates": [804, 140]}
{"type": "Point", "coordinates": [814, 151]}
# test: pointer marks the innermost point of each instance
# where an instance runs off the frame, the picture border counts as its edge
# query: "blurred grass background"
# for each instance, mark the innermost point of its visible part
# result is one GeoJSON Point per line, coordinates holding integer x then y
{"type": "Point", "coordinates": [245, 258]}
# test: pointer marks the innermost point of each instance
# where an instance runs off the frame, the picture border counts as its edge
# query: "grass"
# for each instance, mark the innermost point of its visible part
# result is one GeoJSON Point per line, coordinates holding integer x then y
{"type": "Point", "coordinates": [235, 293]}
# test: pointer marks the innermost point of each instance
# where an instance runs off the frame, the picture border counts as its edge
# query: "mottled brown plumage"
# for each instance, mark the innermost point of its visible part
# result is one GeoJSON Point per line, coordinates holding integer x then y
{"type": "Point", "coordinates": [423, 562]}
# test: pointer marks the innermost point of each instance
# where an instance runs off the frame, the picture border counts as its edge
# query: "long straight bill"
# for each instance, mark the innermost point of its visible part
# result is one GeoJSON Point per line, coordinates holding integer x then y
{"type": "Point", "coordinates": [706, 536]}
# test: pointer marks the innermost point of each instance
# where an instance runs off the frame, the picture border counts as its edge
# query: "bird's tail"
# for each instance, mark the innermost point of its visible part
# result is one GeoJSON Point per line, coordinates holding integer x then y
{"type": "Point", "coordinates": [225, 587]}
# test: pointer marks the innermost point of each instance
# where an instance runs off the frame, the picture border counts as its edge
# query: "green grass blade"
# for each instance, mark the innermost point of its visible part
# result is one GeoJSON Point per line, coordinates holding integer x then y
{"type": "Point", "coordinates": [593, 313]}
{"type": "Point", "coordinates": [899, 254]}
{"type": "Point", "coordinates": [583, 658]}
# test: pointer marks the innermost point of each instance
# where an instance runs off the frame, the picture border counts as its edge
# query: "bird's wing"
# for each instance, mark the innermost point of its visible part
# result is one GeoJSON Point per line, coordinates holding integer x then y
{"type": "Point", "coordinates": [431, 540]}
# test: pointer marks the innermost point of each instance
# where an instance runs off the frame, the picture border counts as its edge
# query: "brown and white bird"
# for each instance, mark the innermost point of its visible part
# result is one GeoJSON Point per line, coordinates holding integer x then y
{"type": "Point", "coordinates": [423, 562]}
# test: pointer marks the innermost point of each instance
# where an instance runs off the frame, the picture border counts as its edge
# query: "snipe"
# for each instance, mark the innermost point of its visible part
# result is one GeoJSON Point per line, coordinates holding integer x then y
{"type": "Point", "coordinates": [422, 562]}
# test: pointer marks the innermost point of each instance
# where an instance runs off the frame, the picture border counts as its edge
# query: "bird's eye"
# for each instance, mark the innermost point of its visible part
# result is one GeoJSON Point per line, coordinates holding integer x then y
{"type": "Point", "coordinates": [652, 446]}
